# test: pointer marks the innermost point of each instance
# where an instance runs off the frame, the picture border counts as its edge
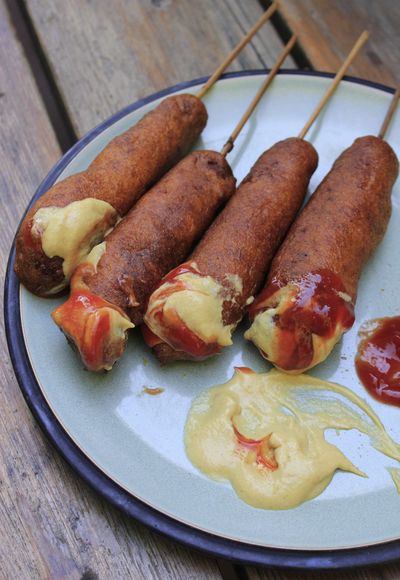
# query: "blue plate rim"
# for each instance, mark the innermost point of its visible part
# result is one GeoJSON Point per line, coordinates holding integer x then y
{"type": "Point", "coordinates": [192, 537]}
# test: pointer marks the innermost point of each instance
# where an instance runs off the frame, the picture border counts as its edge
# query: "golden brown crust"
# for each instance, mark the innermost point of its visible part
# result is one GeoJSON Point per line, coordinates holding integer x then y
{"type": "Point", "coordinates": [243, 239]}
{"type": "Point", "coordinates": [158, 233]}
{"type": "Point", "coordinates": [119, 175]}
{"type": "Point", "coordinates": [345, 219]}
{"type": "Point", "coordinates": [246, 234]}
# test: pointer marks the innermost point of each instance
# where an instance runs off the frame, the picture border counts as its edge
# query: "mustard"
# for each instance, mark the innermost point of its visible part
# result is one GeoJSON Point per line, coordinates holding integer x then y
{"type": "Point", "coordinates": [70, 232]}
{"type": "Point", "coordinates": [395, 475]}
{"type": "Point", "coordinates": [293, 462]}
{"type": "Point", "coordinates": [199, 306]}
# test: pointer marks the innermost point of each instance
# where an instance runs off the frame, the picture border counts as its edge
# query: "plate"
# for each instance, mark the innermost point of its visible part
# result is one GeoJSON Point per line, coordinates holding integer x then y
{"type": "Point", "coordinates": [129, 445]}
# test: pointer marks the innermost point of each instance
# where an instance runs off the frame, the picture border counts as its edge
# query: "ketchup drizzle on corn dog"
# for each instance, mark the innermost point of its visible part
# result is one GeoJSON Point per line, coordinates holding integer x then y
{"type": "Point", "coordinates": [318, 307]}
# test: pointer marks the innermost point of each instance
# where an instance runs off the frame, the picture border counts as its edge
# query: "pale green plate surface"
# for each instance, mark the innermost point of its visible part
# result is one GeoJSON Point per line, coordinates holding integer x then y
{"type": "Point", "coordinates": [137, 439]}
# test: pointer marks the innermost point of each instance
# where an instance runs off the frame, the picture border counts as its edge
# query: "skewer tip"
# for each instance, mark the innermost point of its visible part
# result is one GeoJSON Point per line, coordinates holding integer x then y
{"type": "Point", "coordinates": [362, 39]}
{"type": "Point", "coordinates": [218, 72]}
{"type": "Point", "coordinates": [271, 75]}
{"type": "Point", "coordinates": [389, 114]}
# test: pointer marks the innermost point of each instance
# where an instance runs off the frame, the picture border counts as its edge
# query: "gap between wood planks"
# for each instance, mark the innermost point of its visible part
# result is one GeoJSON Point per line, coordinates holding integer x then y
{"type": "Point", "coordinates": [41, 72]}
{"type": "Point", "coordinates": [48, 88]}
{"type": "Point", "coordinates": [231, 571]}
{"type": "Point", "coordinates": [284, 32]}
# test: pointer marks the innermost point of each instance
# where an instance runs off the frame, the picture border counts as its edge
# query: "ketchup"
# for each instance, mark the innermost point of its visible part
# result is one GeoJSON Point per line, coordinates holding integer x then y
{"type": "Point", "coordinates": [180, 337]}
{"type": "Point", "coordinates": [149, 337]}
{"type": "Point", "coordinates": [72, 318]}
{"type": "Point", "coordinates": [264, 455]}
{"type": "Point", "coordinates": [182, 269]}
{"type": "Point", "coordinates": [85, 319]}
{"type": "Point", "coordinates": [378, 360]}
{"type": "Point", "coordinates": [262, 301]}
{"type": "Point", "coordinates": [245, 370]}
{"type": "Point", "coordinates": [316, 309]}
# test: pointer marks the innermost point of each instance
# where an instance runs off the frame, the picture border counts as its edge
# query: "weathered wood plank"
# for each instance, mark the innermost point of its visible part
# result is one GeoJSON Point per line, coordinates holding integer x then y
{"type": "Point", "coordinates": [52, 524]}
{"type": "Point", "coordinates": [328, 29]}
{"type": "Point", "coordinates": [105, 55]}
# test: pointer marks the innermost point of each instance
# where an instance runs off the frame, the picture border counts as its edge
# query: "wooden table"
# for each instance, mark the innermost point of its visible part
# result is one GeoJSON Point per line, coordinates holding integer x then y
{"type": "Point", "coordinates": [66, 66]}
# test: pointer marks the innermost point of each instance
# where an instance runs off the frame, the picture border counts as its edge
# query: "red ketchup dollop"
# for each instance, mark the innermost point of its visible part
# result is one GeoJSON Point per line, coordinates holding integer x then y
{"type": "Point", "coordinates": [149, 337]}
{"type": "Point", "coordinates": [180, 337]}
{"type": "Point", "coordinates": [245, 370]}
{"type": "Point", "coordinates": [316, 309]}
{"type": "Point", "coordinates": [264, 454]}
{"type": "Point", "coordinates": [72, 317]}
{"type": "Point", "coordinates": [378, 359]}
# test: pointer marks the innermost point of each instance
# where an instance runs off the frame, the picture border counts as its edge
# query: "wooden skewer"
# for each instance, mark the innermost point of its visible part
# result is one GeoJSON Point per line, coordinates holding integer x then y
{"type": "Point", "coordinates": [339, 75]}
{"type": "Point", "coordinates": [390, 112]}
{"type": "Point", "coordinates": [230, 142]}
{"type": "Point", "coordinates": [214, 77]}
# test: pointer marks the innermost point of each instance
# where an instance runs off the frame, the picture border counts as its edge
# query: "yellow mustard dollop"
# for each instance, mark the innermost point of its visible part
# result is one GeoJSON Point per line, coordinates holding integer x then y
{"type": "Point", "coordinates": [70, 232]}
{"type": "Point", "coordinates": [198, 303]}
{"type": "Point", "coordinates": [261, 433]}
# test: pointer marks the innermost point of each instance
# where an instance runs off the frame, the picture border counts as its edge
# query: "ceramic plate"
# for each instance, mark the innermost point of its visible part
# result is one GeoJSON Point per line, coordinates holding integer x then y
{"type": "Point", "coordinates": [129, 445]}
